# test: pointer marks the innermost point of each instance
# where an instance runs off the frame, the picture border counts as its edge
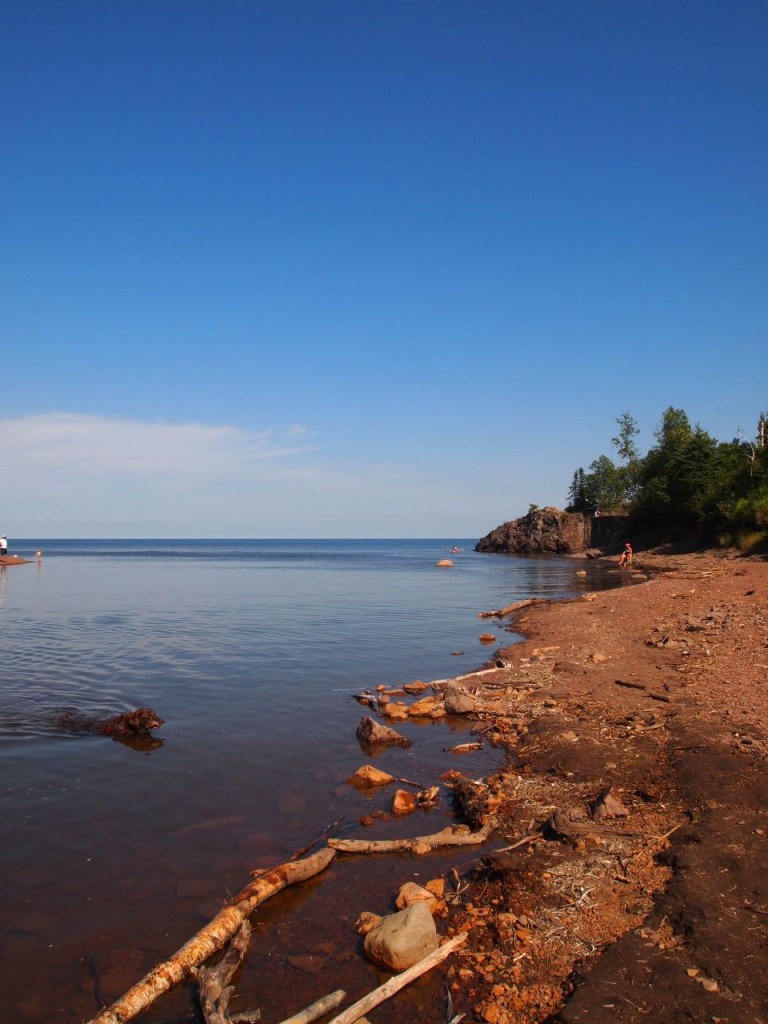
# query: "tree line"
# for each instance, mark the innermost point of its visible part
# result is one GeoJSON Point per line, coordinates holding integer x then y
{"type": "Point", "coordinates": [687, 485]}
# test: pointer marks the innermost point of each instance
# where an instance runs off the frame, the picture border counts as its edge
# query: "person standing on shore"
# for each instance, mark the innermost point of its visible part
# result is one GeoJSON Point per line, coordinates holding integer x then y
{"type": "Point", "coordinates": [626, 555]}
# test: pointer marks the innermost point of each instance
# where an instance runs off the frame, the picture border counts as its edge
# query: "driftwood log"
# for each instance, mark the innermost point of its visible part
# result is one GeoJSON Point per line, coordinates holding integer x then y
{"type": "Point", "coordinates": [362, 1006]}
{"type": "Point", "coordinates": [318, 1009]}
{"type": "Point", "coordinates": [458, 835]}
{"type": "Point", "coordinates": [510, 609]}
{"type": "Point", "coordinates": [212, 937]}
{"type": "Point", "coordinates": [215, 990]}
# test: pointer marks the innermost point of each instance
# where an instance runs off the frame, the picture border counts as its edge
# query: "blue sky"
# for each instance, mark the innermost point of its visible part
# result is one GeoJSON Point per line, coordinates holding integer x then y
{"type": "Point", "coordinates": [307, 268]}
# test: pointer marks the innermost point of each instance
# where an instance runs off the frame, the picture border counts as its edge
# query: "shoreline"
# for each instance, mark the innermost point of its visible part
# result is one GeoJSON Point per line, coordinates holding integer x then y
{"type": "Point", "coordinates": [659, 693]}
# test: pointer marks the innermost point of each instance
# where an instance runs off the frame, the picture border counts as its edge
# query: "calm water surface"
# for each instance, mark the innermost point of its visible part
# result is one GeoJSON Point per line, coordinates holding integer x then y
{"type": "Point", "coordinates": [112, 856]}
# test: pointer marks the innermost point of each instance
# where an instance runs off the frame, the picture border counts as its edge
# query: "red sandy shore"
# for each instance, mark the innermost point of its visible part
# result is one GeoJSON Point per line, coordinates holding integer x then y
{"type": "Point", "coordinates": [660, 693]}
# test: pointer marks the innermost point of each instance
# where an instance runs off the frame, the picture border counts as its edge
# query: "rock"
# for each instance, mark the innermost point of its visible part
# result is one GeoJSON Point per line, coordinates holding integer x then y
{"type": "Point", "coordinates": [464, 748]}
{"type": "Point", "coordinates": [403, 802]}
{"type": "Point", "coordinates": [428, 797]}
{"type": "Point", "coordinates": [608, 805]}
{"type": "Point", "coordinates": [475, 801]}
{"type": "Point", "coordinates": [582, 572]}
{"type": "Point", "coordinates": [487, 638]}
{"type": "Point", "coordinates": [367, 776]}
{"type": "Point", "coordinates": [597, 658]}
{"type": "Point", "coordinates": [542, 531]}
{"type": "Point", "coordinates": [396, 711]}
{"type": "Point", "coordinates": [400, 940]}
{"type": "Point", "coordinates": [436, 886]}
{"type": "Point", "coordinates": [372, 734]}
{"type": "Point", "coordinates": [458, 701]}
{"type": "Point", "coordinates": [415, 687]}
{"type": "Point", "coordinates": [412, 892]}
{"type": "Point", "coordinates": [366, 922]}
{"type": "Point", "coordinates": [423, 708]}
{"type": "Point", "coordinates": [444, 563]}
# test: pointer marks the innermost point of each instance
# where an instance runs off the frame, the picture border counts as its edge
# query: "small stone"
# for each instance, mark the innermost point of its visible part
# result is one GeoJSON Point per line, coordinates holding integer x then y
{"type": "Point", "coordinates": [366, 921]}
{"type": "Point", "coordinates": [415, 687]}
{"type": "Point", "coordinates": [423, 708]}
{"type": "Point", "coordinates": [412, 892]}
{"type": "Point", "coordinates": [403, 802]}
{"type": "Point", "coordinates": [609, 806]}
{"type": "Point", "coordinates": [396, 711]}
{"type": "Point", "coordinates": [435, 886]}
{"type": "Point", "coordinates": [367, 776]}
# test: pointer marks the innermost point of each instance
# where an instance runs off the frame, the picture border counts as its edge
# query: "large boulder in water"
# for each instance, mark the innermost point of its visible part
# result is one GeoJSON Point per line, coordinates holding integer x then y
{"type": "Point", "coordinates": [542, 531]}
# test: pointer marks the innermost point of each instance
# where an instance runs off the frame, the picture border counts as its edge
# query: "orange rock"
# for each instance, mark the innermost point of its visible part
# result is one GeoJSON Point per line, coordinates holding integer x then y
{"type": "Point", "coordinates": [412, 892]}
{"type": "Point", "coordinates": [367, 776]}
{"type": "Point", "coordinates": [403, 802]}
{"type": "Point", "coordinates": [422, 707]}
{"type": "Point", "coordinates": [415, 687]}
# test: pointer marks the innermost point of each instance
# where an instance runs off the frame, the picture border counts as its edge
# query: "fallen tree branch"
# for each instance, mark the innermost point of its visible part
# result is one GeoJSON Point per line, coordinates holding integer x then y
{"type": "Point", "coordinates": [534, 838]}
{"type": "Point", "coordinates": [383, 992]}
{"type": "Point", "coordinates": [467, 675]}
{"type": "Point", "coordinates": [211, 938]}
{"type": "Point", "coordinates": [499, 613]}
{"type": "Point", "coordinates": [629, 685]}
{"type": "Point", "coordinates": [452, 836]}
{"type": "Point", "coordinates": [318, 1009]}
{"type": "Point", "coordinates": [215, 990]}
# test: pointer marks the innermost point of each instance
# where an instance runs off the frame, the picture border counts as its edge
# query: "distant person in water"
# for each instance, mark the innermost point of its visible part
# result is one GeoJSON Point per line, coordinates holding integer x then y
{"type": "Point", "coordinates": [626, 555]}
{"type": "Point", "coordinates": [3, 546]}
{"type": "Point", "coordinates": [39, 554]}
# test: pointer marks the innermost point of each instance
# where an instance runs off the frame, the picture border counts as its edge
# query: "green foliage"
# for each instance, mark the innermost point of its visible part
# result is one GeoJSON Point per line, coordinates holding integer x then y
{"type": "Point", "coordinates": [688, 485]}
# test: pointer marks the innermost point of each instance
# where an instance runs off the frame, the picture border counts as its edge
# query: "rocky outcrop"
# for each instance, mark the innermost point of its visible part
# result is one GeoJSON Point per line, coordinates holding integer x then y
{"type": "Point", "coordinates": [543, 531]}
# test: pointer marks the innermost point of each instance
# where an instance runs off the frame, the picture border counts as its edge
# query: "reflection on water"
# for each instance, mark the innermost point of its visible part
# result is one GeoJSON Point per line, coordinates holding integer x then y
{"type": "Point", "coordinates": [251, 652]}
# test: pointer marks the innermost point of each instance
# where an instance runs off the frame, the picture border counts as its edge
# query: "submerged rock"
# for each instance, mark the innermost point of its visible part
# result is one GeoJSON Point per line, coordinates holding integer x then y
{"type": "Point", "coordinates": [372, 734]}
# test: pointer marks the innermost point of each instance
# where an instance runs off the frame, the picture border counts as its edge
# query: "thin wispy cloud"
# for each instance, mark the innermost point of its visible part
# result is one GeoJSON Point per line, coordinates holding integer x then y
{"type": "Point", "coordinates": [86, 475]}
{"type": "Point", "coordinates": [86, 445]}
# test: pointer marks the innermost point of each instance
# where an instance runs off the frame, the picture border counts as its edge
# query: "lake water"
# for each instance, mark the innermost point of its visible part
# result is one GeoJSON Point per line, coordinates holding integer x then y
{"type": "Point", "coordinates": [112, 856]}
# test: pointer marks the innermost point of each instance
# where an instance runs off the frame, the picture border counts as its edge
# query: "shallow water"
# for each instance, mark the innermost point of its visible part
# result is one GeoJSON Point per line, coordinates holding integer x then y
{"type": "Point", "coordinates": [112, 856]}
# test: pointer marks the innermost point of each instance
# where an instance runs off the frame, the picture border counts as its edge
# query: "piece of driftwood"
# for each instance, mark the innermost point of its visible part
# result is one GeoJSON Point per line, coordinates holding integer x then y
{"type": "Point", "coordinates": [318, 1009]}
{"type": "Point", "coordinates": [438, 683]}
{"type": "Point", "coordinates": [574, 821]}
{"type": "Point", "coordinates": [389, 988]}
{"type": "Point", "coordinates": [212, 937]}
{"type": "Point", "coordinates": [215, 990]}
{"type": "Point", "coordinates": [510, 609]}
{"type": "Point", "coordinates": [629, 685]}
{"type": "Point", "coordinates": [410, 782]}
{"type": "Point", "coordinates": [458, 835]}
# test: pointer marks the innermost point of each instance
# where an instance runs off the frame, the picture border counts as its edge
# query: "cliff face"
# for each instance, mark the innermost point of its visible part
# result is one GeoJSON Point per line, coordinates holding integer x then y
{"type": "Point", "coordinates": [547, 531]}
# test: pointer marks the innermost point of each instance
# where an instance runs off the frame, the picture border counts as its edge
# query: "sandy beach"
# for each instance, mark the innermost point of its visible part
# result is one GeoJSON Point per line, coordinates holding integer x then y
{"type": "Point", "coordinates": [656, 694]}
